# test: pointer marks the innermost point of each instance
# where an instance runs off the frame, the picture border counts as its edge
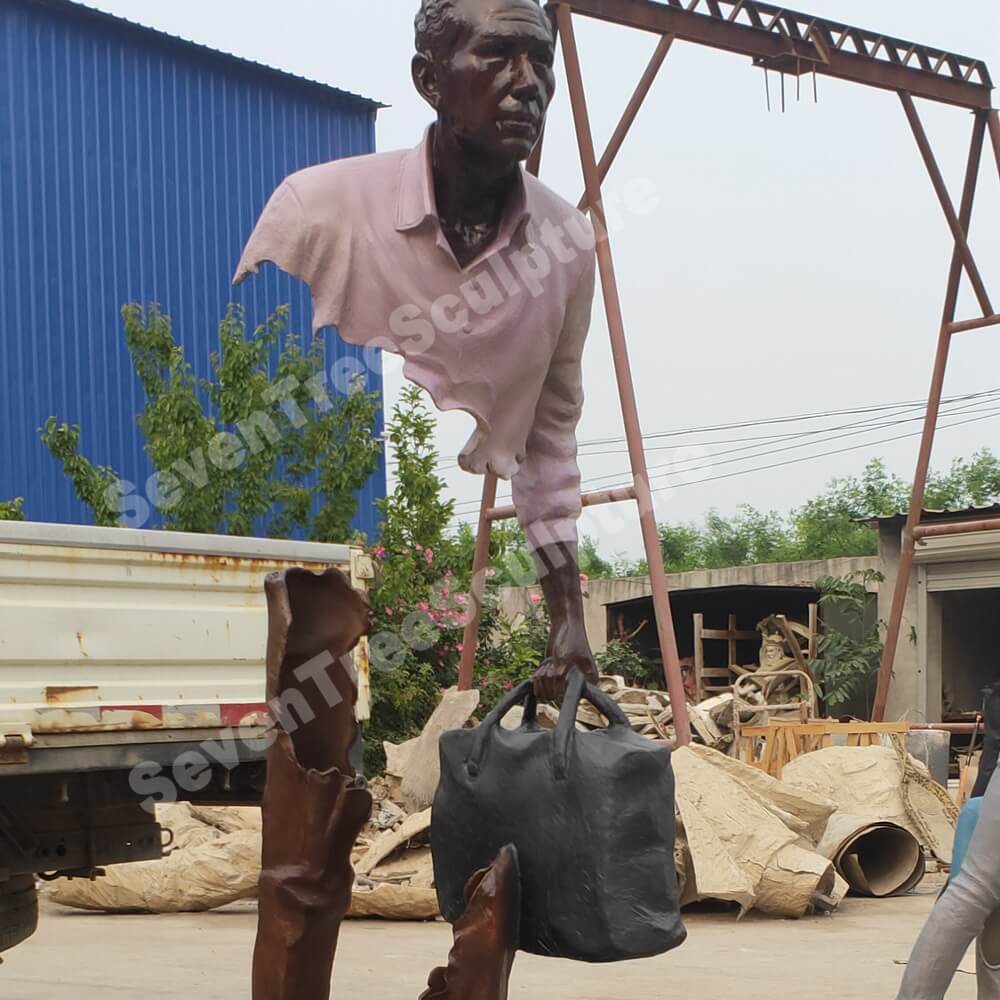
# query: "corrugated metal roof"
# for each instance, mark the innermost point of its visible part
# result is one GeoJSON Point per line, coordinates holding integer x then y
{"type": "Point", "coordinates": [133, 171]}
{"type": "Point", "coordinates": [83, 10]}
{"type": "Point", "coordinates": [929, 514]}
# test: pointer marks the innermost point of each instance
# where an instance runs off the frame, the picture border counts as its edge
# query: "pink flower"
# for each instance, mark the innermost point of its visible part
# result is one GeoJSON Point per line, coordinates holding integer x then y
{"type": "Point", "coordinates": [584, 577]}
{"type": "Point", "coordinates": [459, 647]}
{"type": "Point", "coordinates": [388, 611]}
{"type": "Point", "coordinates": [536, 598]}
{"type": "Point", "coordinates": [423, 606]}
{"type": "Point", "coordinates": [429, 556]}
{"type": "Point", "coordinates": [462, 598]}
{"type": "Point", "coordinates": [379, 552]}
{"type": "Point", "coordinates": [507, 685]}
{"type": "Point", "coordinates": [419, 547]}
{"type": "Point", "coordinates": [490, 573]}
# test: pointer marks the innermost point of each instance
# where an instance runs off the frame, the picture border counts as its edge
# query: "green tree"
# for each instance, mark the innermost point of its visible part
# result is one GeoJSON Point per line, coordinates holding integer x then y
{"type": "Point", "coordinates": [415, 518]}
{"type": "Point", "coordinates": [750, 536]}
{"type": "Point", "coordinates": [847, 659]}
{"type": "Point", "coordinates": [95, 485]}
{"type": "Point", "coordinates": [682, 548]}
{"type": "Point", "coordinates": [829, 525]}
{"type": "Point", "coordinates": [12, 510]}
{"type": "Point", "coordinates": [242, 446]}
{"type": "Point", "coordinates": [968, 483]}
{"type": "Point", "coordinates": [415, 636]}
{"type": "Point", "coordinates": [592, 563]}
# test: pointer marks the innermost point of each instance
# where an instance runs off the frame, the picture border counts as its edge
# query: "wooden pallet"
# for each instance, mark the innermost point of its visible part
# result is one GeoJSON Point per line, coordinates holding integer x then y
{"type": "Point", "coordinates": [784, 741]}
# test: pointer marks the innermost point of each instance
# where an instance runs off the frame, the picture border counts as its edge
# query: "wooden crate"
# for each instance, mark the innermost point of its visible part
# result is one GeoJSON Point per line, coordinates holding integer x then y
{"type": "Point", "coordinates": [784, 741]}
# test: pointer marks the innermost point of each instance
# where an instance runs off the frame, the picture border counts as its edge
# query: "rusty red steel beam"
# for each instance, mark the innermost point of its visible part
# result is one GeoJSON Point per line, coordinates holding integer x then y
{"type": "Point", "coordinates": [905, 565]}
{"type": "Point", "coordinates": [955, 528]}
{"type": "Point", "coordinates": [955, 728]}
{"type": "Point", "coordinates": [993, 123]}
{"type": "Point", "coordinates": [958, 230]}
{"type": "Point", "coordinates": [480, 562]}
{"type": "Point", "coordinates": [623, 375]}
{"type": "Point", "coordinates": [771, 44]}
{"type": "Point", "coordinates": [974, 324]}
{"type": "Point", "coordinates": [587, 500]}
{"type": "Point", "coordinates": [631, 112]}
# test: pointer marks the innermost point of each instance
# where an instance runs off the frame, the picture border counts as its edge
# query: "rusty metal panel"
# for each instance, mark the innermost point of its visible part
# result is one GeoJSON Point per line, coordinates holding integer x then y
{"type": "Point", "coordinates": [132, 168]}
{"type": "Point", "coordinates": [114, 632]}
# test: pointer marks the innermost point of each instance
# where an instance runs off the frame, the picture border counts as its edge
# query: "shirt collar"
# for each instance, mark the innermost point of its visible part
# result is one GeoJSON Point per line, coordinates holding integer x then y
{"type": "Point", "coordinates": [415, 202]}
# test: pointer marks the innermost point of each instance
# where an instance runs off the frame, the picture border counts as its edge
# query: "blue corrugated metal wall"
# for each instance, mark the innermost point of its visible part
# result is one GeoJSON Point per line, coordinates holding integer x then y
{"type": "Point", "coordinates": [132, 168]}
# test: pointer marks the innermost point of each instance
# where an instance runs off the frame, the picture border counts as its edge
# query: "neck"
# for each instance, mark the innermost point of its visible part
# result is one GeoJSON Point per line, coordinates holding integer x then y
{"type": "Point", "coordinates": [468, 187]}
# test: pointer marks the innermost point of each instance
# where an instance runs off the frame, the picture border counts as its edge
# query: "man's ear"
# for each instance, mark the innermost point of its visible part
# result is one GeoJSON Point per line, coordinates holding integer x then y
{"type": "Point", "coordinates": [425, 79]}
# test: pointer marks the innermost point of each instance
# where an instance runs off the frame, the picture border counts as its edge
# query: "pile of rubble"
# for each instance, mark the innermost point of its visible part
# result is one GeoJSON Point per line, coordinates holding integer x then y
{"type": "Point", "coordinates": [780, 847]}
{"type": "Point", "coordinates": [651, 715]}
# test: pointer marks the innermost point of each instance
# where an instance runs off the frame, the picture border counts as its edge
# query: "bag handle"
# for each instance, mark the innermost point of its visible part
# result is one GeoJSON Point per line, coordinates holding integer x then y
{"type": "Point", "coordinates": [524, 694]}
{"type": "Point", "coordinates": [576, 691]}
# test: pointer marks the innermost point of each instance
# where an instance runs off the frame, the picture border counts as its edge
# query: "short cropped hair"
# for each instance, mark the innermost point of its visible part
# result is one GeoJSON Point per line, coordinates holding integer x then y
{"type": "Point", "coordinates": [438, 25]}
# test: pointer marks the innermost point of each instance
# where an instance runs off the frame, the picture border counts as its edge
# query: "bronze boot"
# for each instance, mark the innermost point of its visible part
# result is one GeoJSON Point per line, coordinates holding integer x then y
{"type": "Point", "coordinates": [486, 936]}
{"type": "Point", "coordinates": [314, 806]}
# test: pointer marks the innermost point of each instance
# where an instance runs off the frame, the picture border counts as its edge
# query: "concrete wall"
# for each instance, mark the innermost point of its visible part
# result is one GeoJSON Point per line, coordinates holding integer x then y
{"type": "Point", "coordinates": [904, 695]}
{"type": "Point", "coordinates": [940, 644]}
{"type": "Point", "coordinates": [516, 600]}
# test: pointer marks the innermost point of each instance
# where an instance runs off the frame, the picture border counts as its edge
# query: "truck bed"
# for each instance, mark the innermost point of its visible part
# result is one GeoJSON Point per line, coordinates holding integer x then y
{"type": "Point", "coordinates": [138, 636]}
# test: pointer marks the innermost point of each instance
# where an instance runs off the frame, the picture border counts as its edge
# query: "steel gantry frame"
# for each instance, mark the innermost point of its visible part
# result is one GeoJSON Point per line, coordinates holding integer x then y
{"type": "Point", "coordinates": [774, 38]}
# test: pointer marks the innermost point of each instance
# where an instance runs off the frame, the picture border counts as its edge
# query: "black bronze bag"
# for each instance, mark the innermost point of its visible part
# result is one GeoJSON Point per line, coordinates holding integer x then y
{"type": "Point", "coordinates": [591, 815]}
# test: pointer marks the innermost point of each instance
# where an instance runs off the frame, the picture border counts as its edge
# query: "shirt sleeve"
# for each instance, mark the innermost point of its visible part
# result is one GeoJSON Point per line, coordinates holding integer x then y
{"type": "Point", "coordinates": [317, 253]}
{"type": "Point", "coordinates": [546, 488]}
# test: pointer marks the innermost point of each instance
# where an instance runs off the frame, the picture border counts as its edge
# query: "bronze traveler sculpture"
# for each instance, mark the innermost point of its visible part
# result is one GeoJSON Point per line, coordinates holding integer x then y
{"type": "Point", "coordinates": [482, 278]}
{"type": "Point", "coordinates": [475, 272]}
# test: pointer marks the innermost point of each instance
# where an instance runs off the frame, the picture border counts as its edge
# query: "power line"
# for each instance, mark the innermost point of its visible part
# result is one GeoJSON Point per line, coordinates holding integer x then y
{"type": "Point", "coordinates": [827, 454]}
{"type": "Point", "coordinates": [882, 408]}
{"type": "Point", "coordinates": [675, 468]}
{"type": "Point", "coordinates": [788, 435]}
{"type": "Point", "coordinates": [795, 461]}
{"type": "Point", "coordinates": [868, 428]}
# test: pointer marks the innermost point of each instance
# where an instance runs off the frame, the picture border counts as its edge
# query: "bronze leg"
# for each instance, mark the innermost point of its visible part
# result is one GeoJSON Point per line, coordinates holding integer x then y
{"type": "Point", "coordinates": [314, 806]}
{"type": "Point", "coordinates": [485, 936]}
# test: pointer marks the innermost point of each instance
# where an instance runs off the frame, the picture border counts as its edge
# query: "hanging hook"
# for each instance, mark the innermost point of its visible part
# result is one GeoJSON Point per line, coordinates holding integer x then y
{"type": "Point", "coordinates": [815, 88]}
{"type": "Point", "coordinates": [767, 87]}
{"type": "Point", "coordinates": [782, 91]}
{"type": "Point", "coordinates": [798, 79]}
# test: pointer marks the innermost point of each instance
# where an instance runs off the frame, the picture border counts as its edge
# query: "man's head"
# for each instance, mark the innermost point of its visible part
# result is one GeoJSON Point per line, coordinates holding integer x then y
{"type": "Point", "coordinates": [485, 66]}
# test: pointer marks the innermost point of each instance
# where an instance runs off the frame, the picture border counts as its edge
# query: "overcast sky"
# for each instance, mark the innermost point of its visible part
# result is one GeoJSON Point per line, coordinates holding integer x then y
{"type": "Point", "coordinates": [795, 263]}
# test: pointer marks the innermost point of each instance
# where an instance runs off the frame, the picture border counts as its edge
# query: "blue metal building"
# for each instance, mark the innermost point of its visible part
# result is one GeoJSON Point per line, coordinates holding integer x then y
{"type": "Point", "coordinates": [133, 166]}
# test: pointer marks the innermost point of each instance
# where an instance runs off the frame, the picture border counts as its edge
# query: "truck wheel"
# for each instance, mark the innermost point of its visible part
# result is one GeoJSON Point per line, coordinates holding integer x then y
{"type": "Point", "coordinates": [18, 910]}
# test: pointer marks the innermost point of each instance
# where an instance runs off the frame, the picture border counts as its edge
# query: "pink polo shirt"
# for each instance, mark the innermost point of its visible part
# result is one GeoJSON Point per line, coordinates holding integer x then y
{"type": "Point", "coordinates": [501, 338]}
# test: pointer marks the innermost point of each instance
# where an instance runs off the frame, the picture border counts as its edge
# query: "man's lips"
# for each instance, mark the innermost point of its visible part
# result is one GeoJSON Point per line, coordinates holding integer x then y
{"type": "Point", "coordinates": [518, 124]}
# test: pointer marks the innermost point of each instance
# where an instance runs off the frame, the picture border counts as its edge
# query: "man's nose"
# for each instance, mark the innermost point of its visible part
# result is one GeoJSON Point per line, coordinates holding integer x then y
{"type": "Point", "coordinates": [527, 84]}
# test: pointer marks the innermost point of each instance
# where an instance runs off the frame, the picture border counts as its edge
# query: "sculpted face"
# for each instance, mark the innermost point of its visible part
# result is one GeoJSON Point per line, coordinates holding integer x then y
{"type": "Point", "coordinates": [493, 85]}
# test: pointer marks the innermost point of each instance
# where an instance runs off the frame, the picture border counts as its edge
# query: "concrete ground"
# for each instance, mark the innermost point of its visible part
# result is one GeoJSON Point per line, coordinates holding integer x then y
{"type": "Point", "coordinates": [856, 953]}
